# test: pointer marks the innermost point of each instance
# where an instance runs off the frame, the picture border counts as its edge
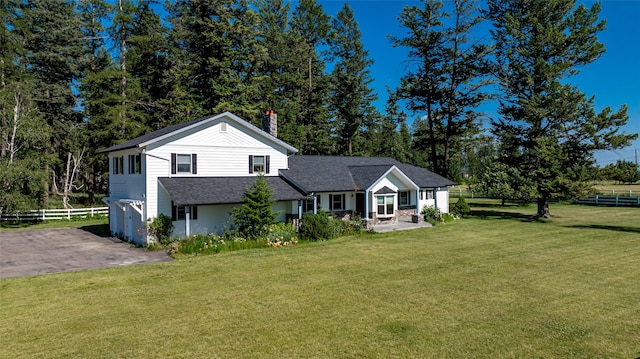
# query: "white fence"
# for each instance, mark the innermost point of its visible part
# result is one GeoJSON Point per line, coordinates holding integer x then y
{"type": "Point", "coordinates": [54, 214]}
{"type": "Point", "coordinates": [610, 200]}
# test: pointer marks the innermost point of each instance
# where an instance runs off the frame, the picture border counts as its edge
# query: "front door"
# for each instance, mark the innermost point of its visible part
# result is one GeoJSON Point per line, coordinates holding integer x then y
{"type": "Point", "coordinates": [360, 205]}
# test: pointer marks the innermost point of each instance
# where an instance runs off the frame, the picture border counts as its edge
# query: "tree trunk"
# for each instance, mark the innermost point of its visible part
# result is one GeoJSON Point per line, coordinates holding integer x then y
{"type": "Point", "coordinates": [543, 207]}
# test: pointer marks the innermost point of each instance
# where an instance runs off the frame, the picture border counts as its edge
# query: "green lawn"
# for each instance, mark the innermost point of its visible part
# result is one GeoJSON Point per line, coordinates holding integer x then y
{"type": "Point", "coordinates": [497, 285]}
{"type": "Point", "coordinates": [14, 226]}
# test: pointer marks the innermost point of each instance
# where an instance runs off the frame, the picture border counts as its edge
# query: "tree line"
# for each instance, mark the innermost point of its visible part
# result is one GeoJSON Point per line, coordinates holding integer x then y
{"type": "Point", "coordinates": [77, 76]}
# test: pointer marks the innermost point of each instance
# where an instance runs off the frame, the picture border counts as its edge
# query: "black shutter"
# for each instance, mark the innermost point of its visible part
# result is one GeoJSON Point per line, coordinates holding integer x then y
{"type": "Point", "coordinates": [194, 162]}
{"type": "Point", "coordinates": [266, 164]}
{"type": "Point", "coordinates": [173, 163]}
{"type": "Point", "coordinates": [250, 164]}
{"type": "Point", "coordinates": [174, 212]}
{"type": "Point", "coordinates": [194, 212]}
{"type": "Point", "coordinates": [344, 203]}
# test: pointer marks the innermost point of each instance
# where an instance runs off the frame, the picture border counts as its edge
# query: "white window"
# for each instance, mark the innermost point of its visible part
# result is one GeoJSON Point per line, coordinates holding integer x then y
{"type": "Point", "coordinates": [258, 164]}
{"type": "Point", "coordinates": [184, 163]}
{"type": "Point", "coordinates": [404, 198]}
{"type": "Point", "coordinates": [336, 202]}
{"type": "Point", "coordinates": [426, 194]}
{"type": "Point", "coordinates": [134, 164]}
{"type": "Point", "coordinates": [223, 126]}
{"type": "Point", "coordinates": [385, 205]}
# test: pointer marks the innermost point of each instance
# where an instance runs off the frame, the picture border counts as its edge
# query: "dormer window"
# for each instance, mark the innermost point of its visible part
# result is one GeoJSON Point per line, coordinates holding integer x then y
{"type": "Point", "coordinates": [184, 163]}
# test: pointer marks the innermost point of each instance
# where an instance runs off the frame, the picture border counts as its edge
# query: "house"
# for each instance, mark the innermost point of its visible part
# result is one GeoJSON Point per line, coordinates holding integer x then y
{"type": "Point", "coordinates": [197, 171]}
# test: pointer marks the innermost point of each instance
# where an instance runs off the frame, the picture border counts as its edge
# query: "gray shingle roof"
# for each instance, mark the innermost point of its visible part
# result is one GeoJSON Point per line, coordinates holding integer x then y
{"type": "Point", "coordinates": [333, 173]}
{"type": "Point", "coordinates": [190, 191]}
{"type": "Point", "coordinates": [166, 131]}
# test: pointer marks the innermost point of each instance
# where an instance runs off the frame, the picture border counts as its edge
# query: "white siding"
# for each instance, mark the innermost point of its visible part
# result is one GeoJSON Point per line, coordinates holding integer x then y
{"type": "Point", "coordinates": [211, 219]}
{"type": "Point", "coordinates": [126, 185]}
{"type": "Point", "coordinates": [442, 199]}
{"type": "Point", "coordinates": [217, 219]}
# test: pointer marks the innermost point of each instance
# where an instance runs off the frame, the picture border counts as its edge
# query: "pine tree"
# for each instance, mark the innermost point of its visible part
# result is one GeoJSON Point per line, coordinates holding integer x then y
{"type": "Point", "coordinates": [52, 34]}
{"type": "Point", "coordinates": [548, 129]}
{"type": "Point", "coordinates": [449, 84]}
{"type": "Point", "coordinates": [256, 211]}
{"type": "Point", "coordinates": [311, 31]}
{"type": "Point", "coordinates": [220, 55]}
{"type": "Point", "coordinates": [355, 117]}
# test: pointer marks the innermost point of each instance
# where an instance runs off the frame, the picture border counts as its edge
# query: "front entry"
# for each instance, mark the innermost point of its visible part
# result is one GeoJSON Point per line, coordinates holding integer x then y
{"type": "Point", "coordinates": [360, 205]}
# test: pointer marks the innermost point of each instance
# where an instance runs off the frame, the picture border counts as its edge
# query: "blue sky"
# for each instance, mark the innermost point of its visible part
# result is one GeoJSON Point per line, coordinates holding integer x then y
{"type": "Point", "coordinates": [614, 79]}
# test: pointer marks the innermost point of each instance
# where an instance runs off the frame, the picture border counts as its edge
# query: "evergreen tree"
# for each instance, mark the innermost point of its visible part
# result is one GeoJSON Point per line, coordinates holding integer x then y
{"type": "Point", "coordinates": [393, 138]}
{"type": "Point", "coordinates": [279, 82]}
{"type": "Point", "coordinates": [355, 117]}
{"type": "Point", "coordinates": [51, 30]}
{"type": "Point", "coordinates": [220, 56]}
{"type": "Point", "coordinates": [449, 84]}
{"type": "Point", "coordinates": [548, 129]}
{"type": "Point", "coordinates": [256, 211]}
{"type": "Point", "coordinates": [311, 31]}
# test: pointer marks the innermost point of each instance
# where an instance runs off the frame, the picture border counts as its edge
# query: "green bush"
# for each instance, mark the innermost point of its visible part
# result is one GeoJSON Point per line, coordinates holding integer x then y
{"type": "Point", "coordinates": [315, 227]}
{"type": "Point", "coordinates": [280, 234]}
{"type": "Point", "coordinates": [431, 215]}
{"type": "Point", "coordinates": [446, 217]}
{"type": "Point", "coordinates": [321, 226]}
{"type": "Point", "coordinates": [160, 228]}
{"type": "Point", "coordinates": [213, 243]}
{"type": "Point", "coordinates": [461, 208]}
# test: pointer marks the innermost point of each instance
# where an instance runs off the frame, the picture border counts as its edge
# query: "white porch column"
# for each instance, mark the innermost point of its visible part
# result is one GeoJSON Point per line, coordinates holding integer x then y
{"type": "Point", "coordinates": [299, 209]}
{"type": "Point", "coordinates": [366, 204]}
{"type": "Point", "coordinates": [315, 203]}
{"type": "Point", "coordinates": [187, 220]}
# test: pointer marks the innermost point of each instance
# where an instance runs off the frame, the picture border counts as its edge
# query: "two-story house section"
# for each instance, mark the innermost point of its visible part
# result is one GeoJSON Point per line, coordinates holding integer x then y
{"type": "Point", "coordinates": [197, 171]}
{"type": "Point", "coordinates": [194, 171]}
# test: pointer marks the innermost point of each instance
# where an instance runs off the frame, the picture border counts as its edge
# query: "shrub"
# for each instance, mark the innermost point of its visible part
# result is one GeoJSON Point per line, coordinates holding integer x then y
{"type": "Point", "coordinates": [461, 208]}
{"type": "Point", "coordinates": [280, 234]}
{"type": "Point", "coordinates": [446, 217]}
{"type": "Point", "coordinates": [321, 226]}
{"type": "Point", "coordinates": [315, 227]}
{"type": "Point", "coordinates": [160, 228]}
{"type": "Point", "coordinates": [213, 243]}
{"type": "Point", "coordinates": [431, 215]}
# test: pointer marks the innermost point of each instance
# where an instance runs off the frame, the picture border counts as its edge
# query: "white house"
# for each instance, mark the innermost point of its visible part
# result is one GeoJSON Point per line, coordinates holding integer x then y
{"type": "Point", "coordinates": [198, 171]}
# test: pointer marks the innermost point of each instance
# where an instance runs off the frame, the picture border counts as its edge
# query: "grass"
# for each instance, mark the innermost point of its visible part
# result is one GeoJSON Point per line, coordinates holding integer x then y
{"type": "Point", "coordinates": [609, 186]}
{"type": "Point", "coordinates": [75, 223]}
{"type": "Point", "coordinates": [498, 285]}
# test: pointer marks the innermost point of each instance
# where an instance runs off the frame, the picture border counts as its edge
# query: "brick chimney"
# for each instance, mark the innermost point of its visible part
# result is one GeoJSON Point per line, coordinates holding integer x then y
{"type": "Point", "coordinates": [270, 123]}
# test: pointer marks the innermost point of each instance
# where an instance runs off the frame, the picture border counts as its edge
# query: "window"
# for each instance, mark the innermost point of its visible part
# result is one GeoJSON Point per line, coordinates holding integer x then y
{"type": "Point", "coordinates": [223, 126]}
{"type": "Point", "coordinates": [118, 165]}
{"type": "Point", "coordinates": [426, 194]}
{"type": "Point", "coordinates": [385, 205]}
{"type": "Point", "coordinates": [307, 206]}
{"type": "Point", "coordinates": [259, 164]}
{"type": "Point", "coordinates": [404, 198]}
{"type": "Point", "coordinates": [184, 163]}
{"type": "Point", "coordinates": [134, 164]}
{"type": "Point", "coordinates": [336, 202]}
{"type": "Point", "coordinates": [179, 213]}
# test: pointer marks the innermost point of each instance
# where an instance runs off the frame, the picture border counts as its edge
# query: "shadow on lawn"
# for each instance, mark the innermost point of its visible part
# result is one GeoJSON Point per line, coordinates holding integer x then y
{"type": "Point", "coordinates": [498, 211]}
{"type": "Point", "coordinates": [609, 228]}
{"type": "Point", "coordinates": [496, 214]}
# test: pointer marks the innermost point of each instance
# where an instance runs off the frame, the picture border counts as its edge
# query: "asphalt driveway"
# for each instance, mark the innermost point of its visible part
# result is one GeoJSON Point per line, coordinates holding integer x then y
{"type": "Point", "coordinates": [42, 251]}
